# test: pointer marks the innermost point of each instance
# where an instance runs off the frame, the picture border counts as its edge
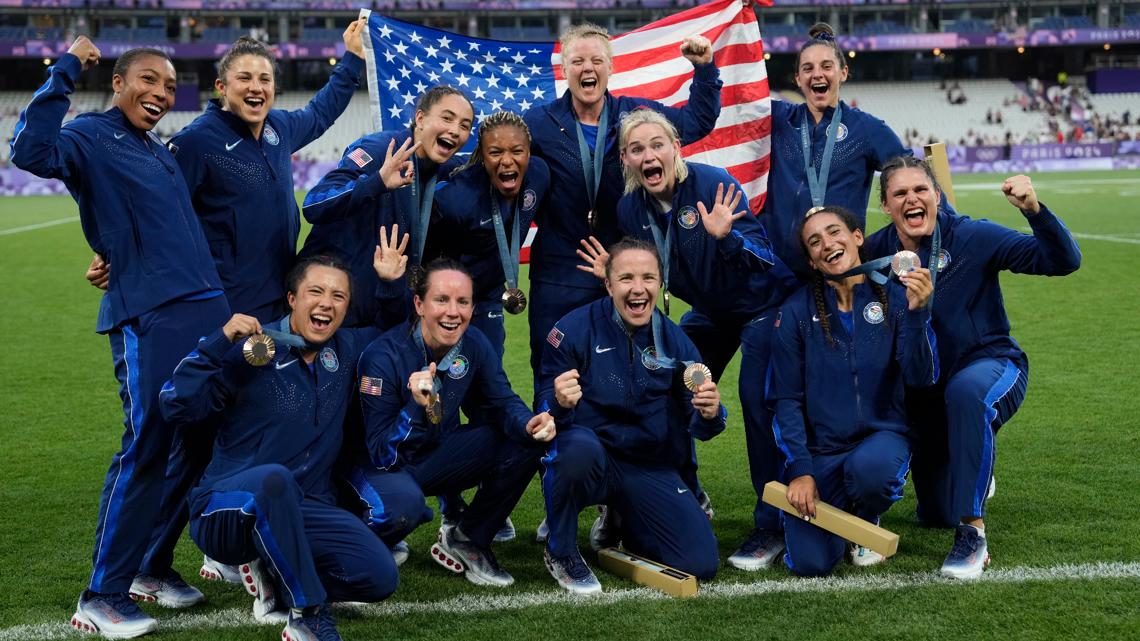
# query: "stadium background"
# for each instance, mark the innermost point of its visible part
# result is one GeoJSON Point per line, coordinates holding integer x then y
{"type": "Point", "coordinates": [1067, 554]}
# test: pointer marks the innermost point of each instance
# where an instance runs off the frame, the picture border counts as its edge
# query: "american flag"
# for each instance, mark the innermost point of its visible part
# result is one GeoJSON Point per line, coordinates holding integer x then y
{"type": "Point", "coordinates": [404, 60]}
{"type": "Point", "coordinates": [370, 385]}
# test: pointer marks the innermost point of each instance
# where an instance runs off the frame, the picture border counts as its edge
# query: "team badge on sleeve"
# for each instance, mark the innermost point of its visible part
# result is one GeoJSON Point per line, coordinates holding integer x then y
{"type": "Point", "coordinates": [371, 386]}
{"type": "Point", "coordinates": [360, 157]}
{"type": "Point", "coordinates": [458, 367]}
{"type": "Point", "coordinates": [555, 337]}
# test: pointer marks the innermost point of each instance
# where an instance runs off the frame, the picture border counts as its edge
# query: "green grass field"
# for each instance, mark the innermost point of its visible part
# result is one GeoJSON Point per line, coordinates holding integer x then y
{"type": "Point", "coordinates": [1064, 528]}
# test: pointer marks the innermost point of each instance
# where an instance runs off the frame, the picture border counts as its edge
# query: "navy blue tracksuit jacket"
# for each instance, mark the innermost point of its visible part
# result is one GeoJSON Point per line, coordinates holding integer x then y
{"type": "Point", "coordinates": [242, 188]}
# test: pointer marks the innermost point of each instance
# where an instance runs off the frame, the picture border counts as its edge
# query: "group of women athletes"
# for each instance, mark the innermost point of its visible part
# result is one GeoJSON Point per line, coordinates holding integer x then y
{"type": "Point", "coordinates": [834, 352]}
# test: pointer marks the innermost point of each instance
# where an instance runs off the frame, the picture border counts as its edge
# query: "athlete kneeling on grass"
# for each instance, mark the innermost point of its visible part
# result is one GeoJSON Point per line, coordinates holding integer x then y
{"type": "Point", "coordinates": [413, 381]}
{"type": "Point", "coordinates": [842, 349]}
{"type": "Point", "coordinates": [612, 378]}
{"type": "Point", "coordinates": [267, 500]}
{"type": "Point", "coordinates": [985, 372]}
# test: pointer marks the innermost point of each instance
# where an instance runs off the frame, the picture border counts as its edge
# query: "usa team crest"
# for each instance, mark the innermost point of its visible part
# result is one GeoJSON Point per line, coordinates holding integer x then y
{"type": "Point", "coordinates": [329, 360]}
{"type": "Point", "coordinates": [271, 136]}
{"type": "Point", "coordinates": [458, 367]}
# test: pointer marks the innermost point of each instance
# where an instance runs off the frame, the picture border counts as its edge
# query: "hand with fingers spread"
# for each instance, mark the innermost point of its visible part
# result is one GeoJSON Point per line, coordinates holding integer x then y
{"type": "Point", "coordinates": [706, 400]}
{"type": "Point", "coordinates": [918, 287]}
{"type": "Point", "coordinates": [567, 389]}
{"type": "Point", "coordinates": [541, 427]}
{"type": "Point", "coordinates": [86, 51]}
{"type": "Point", "coordinates": [98, 273]}
{"type": "Point", "coordinates": [422, 385]}
{"type": "Point", "coordinates": [595, 256]}
{"type": "Point", "coordinates": [353, 36]}
{"type": "Point", "coordinates": [1019, 192]}
{"type": "Point", "coordinates": [398, 169]}
{"type": "Point", "coordinates": [718, 222]}
{"type": "Point", "coordinates": [697, 49]}
{"type": "Point", "coordinates": [802, 494]}
{"type": "Point", "coordinates": [239, 326]}
{"type": "Point", "coordinates": [389, 259]}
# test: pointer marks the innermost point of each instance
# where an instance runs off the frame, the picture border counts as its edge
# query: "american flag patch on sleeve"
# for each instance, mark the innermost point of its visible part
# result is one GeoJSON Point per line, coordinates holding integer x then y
{"type": "Point", "coordinates": [555, 337]}
{"type": "Point", "coordinates": [360, 157]}
{"type": "Point", "coordinates": [369, 385]}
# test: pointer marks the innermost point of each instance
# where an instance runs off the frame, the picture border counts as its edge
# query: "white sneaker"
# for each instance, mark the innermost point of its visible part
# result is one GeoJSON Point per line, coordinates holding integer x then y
{"type": "Point", "coordinates": [257, 580]}
{"type": "Point", "coordinates": [572, 573]}
{"type": "Point", "coordinates": [214, 571]}
{"type": "Point", "coordinates": [505, 533]}
{"type": "Point", "coordinates": [760, 550]}
{"type": "Point", "coordinates": [863, 557]}
{"type": "Point", "coordinates": [115, 616]}
{"type": "Point", "coordinates": [542, 533]}
{"type": "Point", "coordinates": [400, 552]}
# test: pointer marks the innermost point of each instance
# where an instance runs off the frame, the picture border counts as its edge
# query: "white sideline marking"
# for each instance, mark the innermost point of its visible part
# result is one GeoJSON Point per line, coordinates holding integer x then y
{"type": "Point", "coordinates": [1111, 239]}
{"type": "Point", "coordinates": [482, 603]}
{"type": "Point", "coordinates": [50, 223]}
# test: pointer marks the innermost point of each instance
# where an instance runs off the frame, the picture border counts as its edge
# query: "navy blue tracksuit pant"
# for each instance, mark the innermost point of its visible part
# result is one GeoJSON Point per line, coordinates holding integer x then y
{"type": "Point", "coordinates": [318, 551]}
{"type": "Point", "coordinates": [145, 351]}
{"type": "Point", "coordinates": [717, 342]}
{"type": "Point", "coordinates": [661, 518]}
{"type": "Point", "coordinates": [393, 502]}
{"type": "Point", "coordinates": [957, 421]}
{"type": "Point", "coordinates": [865, 481]}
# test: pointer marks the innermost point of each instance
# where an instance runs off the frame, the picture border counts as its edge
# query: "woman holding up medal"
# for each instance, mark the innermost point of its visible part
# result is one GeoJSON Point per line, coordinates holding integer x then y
{"type": "Point", "coordinates": [387, 178]}
{"type": "Point", "coordinates": [413, 382]}
{"type": "Point", "coordinates": [267, 497]}
{"type": "Point", "coordinates": [624, 385]}
{"type": "Point", "coordinates": [485, 210]}
{"type": "Point", "coordinates": [716, 257]}
{"type": "Point", "coordinates": [823, 151]}
{"type": "Point", "coordinates": [984, 371]}
{"type": "Point", "coordinates": [842, 350]}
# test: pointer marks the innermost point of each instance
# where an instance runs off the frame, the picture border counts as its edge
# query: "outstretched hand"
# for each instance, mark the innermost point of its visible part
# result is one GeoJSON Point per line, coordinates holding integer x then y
{"type": "Point", "coordinates": [718, 222]}
{"type": "Point", "coordinates": [389, 259]}
{"type": "Point", "coordinates": [595, 256]}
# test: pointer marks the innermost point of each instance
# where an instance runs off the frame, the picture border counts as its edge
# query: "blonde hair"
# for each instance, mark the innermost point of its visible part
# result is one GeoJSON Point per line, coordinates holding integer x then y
{"type": "Point", "coordinates": [586, 30]}
{"type": "Point", "coordinates": [635, 119]}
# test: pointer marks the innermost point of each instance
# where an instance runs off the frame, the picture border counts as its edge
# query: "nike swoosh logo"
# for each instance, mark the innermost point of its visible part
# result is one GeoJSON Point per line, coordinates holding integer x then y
{"type": "Point", "coordinates": [602, 350]}
{"type": "Point", "coordinates": [814, 318]}
{"type": "Point", "coordinates": [230, 146]}
{"type": "Point", "coordinates": [646, 226]}
{"type": "Point", "coordinates": [119, 135]}
{"type": "Point", "coordinates": [484, 222]}
{"type": "Point", "coordinates": [680, 491]}
{"type": "Point", "coordinates": [284, 365]}
{"type": "Point", "coordinates": [494, 315]}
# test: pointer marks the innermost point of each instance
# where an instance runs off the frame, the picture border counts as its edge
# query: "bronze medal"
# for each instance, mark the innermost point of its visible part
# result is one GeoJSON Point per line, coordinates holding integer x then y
{"type": "Point", "coordinates": [258, 350]}
{"type": "Point", "coordinates": [434, 409]}
{"type": "Point", "coordinates": [905, 261]}
{"type": "Point", "coordinates": [514, 300]}
{"type": "Point", "coordinates": [696, 375]}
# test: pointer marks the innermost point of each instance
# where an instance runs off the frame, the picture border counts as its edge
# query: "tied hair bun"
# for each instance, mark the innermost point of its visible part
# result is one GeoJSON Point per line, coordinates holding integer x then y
{"type": "Point", "coordinates": [822, 31]}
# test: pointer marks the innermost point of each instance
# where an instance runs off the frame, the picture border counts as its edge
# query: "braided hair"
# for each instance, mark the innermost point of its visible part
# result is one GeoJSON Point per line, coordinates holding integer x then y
{"type": "Point", "coordinates": [486, 126]}
{"type": "Point", "coordinates": [904, 162]}
{"type": "Point", "coordinates": [852, 224]}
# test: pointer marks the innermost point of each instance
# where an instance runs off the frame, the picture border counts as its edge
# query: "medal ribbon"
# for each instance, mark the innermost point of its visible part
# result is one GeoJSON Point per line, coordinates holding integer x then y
{"type": "Point", "coordinates": [874, 269]}
{"type": "Point", "coordinates": [420, 225]}
{"type": "Point", "coordinates": [655, 328]}
{"type": "Point", "coordinates": [508, 254]}
{"type": "Point", "coordinates": [664, 241]}
{"type": "Point", "coordinates": [285, 336]}
{"type": "Point", "coordinates": [417, 333]}
{"type": "Point", "coordinates": [817, 183]}
{"type": "Point", "coordinates": [596, 156]}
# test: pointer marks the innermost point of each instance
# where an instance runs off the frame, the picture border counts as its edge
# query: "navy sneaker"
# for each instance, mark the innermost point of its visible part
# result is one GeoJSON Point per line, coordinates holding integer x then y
{"type": "Point", "coordinates": [169, 591]}
{"type": "Point", "coordinates": [115, 616]}
{"type": "Point", "coordinates": [572, 573]}
{"type": "Point", "coordinates": [969, 556]}
{"type": "Point", "coordinates": [315, 624]}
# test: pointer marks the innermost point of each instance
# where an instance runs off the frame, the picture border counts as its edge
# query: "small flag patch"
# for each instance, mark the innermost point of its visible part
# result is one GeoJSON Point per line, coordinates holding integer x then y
{"type": "Point", "coordinates": [360, 157]}
{"type": "Point", "coordinates": [369, 385]}
{"type": "Point", "coordinates": [555, 337]}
